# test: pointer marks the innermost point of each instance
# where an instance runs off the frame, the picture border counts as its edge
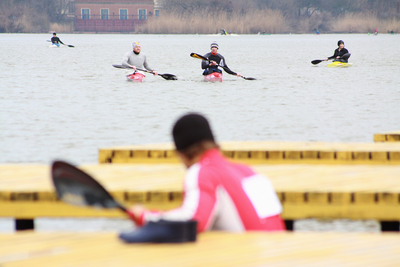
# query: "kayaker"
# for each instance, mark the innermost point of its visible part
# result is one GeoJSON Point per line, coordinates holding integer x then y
{"type": "Point", "coordinates": [215, 60]}
{"type": "Point", "coordinates": [136, 59]}
{"type": "Point", "coordinates": [341, 54]}
{"type": "Point", "coordinates": [218, 194]}
{"type": "Point", "coordinates": [55, 40]}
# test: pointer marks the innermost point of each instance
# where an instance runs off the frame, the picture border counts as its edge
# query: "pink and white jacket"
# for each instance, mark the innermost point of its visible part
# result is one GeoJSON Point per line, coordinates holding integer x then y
{"type": "Point", "coordinates": [222, 195]}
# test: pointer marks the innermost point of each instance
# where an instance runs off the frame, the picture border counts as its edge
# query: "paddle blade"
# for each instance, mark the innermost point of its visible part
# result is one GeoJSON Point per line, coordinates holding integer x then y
{"type": "Point", "coordinates": [76, 187]}
{"type": "Point", "coordinates": [198, 56]}
{"type": "Point", "coordinates": [71, 46]}
{"type": "Point", "coordinates": [317, 61]}
{"type": "Point", "coordinates": [249, 78]}
{"type": "Point", "coordinates": [120, 66]}
{"type": "Point", "coordinates": [169, 76]}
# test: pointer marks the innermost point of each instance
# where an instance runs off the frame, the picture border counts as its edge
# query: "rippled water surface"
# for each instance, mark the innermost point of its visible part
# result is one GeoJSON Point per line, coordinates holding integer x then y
{"type": "Point", "coordinates": [67, 103]}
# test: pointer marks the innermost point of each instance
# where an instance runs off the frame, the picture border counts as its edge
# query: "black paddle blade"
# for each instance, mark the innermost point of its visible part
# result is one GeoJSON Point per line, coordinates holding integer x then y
{"type": "Point", "coordinates": [198, 56]}
{"type": "Point", "coordinates": [71, 46]}
{"type": "Point", "coordinates": [169, 76]}
{"type": "Point", "coordinates": [76, 187]}
{"type": "Point", "coordinates": [317, 61]}
{"type": "Point", "coordinates": [120, 66]}
{"type": "Point", "coordinates": [248, 78]}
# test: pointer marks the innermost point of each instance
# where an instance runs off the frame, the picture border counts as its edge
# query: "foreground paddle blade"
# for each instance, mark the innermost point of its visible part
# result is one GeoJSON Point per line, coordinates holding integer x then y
{"type": "Point", "coordinates": [71, 46]}
{"type": "Point", "coordinates": [249, 78]}
{"type": "Point", "coordinates": [317, 61]}
{"type": "Point", "coordinates": [75, 187]}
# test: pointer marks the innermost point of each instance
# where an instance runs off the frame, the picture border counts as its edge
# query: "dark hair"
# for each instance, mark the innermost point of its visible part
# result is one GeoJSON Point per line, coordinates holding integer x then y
{"type": "Point", "coordinates": [340, 42]}
{"type": "Point", "coordinates": [191, 129]}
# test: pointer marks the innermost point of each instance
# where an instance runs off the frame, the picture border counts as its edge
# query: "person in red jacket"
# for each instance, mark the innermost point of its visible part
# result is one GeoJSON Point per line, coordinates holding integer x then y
{"type": "Point", "coordinates": [218, 194]}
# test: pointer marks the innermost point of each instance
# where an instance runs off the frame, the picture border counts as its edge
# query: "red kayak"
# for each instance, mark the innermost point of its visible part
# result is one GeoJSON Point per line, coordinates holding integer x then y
{"type": "Point", "coordinates": [135, 77]}
{"type": "Point", "coordinates": [213, 77]}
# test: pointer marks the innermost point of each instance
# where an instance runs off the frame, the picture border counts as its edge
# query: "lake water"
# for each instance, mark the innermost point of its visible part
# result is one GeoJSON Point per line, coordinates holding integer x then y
{"type": "Point", "coordinates": [67, 103]}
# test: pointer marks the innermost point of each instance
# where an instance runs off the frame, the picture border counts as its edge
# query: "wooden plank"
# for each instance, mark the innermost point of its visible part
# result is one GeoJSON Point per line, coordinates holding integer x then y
{"type": "Point", "coordinates": [379, 137]}
{"type": "Point", "coordinates": [393, 136]}
{"type": "Point", "coordinates": [212, 248]}
{"type": "Point", "coordinates": [265, 152]}
{"type": "Point", "coordinates": [320, 191]}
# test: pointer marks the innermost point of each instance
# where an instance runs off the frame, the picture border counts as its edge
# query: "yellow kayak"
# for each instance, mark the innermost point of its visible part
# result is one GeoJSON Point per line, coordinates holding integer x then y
{"type": "Point", "coordinates": [339, 64]}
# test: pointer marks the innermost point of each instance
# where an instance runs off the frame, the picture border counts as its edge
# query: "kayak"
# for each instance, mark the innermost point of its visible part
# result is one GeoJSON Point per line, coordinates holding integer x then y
{"type": "Point", "coordinates": [135, 77]}
{"type": "Point", "coordinates": [339, 64]}
{"type": "Point", "coordinates": [54, 45]}
{"type": "Point", "coordinates": [213, 77]}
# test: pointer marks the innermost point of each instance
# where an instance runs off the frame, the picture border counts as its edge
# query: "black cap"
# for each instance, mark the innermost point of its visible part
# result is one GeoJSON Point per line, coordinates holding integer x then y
{"type": "Point", "coordinates": [340, 42]}
{"type": "Point", "coordinates": [191, 129]}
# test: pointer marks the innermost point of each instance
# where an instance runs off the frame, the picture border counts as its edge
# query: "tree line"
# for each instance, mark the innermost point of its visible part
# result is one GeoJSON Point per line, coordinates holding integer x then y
{"type": "Point", "coordinates": [36, 15]}
{"type": "Point", "coordinates": [290, 8]}
{"type": "Point", "coordinates": [277, 16]}
{"type": "Point", "coordinates": [32, 15]}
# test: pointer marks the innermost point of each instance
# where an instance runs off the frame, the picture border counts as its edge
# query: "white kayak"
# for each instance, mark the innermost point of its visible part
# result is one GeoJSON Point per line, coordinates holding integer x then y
{"type": "Point", "coordinates": [54, 45]}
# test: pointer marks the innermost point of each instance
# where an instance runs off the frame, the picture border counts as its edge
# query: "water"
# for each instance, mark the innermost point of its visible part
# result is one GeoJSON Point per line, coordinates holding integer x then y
{"type": "Point", "coordinates": [67, 103]}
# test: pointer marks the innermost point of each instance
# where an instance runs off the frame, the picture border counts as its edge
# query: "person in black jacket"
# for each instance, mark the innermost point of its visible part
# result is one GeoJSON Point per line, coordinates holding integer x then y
{"type": "Point", "coordinates": [55, 40]}
{"type": "Point", "coordinates": [341, 54]}
{"type": "Point", "coordinates": [214, 61]}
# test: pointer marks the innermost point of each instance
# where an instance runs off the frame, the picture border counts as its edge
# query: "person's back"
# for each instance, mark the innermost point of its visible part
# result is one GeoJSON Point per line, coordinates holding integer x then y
{"type": "Point", "coordinates": [234, 195]}
{"type": "Point", "coordinates": [218, 194]}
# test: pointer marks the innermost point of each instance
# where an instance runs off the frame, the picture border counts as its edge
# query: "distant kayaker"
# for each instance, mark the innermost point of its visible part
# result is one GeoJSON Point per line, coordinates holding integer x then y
{"type": "Point", "coordinates": [214, 60]}
{"type": "Point", "coordinates": [55, 40]}
{"type": "Point", "coordinates": [136, 59]}
{"type": "Point", "coordinates": [341, 54]}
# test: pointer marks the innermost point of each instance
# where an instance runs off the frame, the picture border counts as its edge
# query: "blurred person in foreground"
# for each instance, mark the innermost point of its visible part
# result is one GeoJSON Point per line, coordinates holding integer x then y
{"type": "Point", "coordinates": [341, 54]}
{"type": "Point", "coordinates": [218, 194]}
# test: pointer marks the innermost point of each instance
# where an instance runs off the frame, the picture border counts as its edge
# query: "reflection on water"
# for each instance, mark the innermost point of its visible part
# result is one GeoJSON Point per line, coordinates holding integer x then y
{"type": "Point", "coordinates": [68, 102]}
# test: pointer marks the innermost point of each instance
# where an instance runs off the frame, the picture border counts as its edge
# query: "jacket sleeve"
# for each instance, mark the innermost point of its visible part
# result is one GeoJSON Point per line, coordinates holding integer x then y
{"type": "Point", "coordinates": [146, 65]}
{"type": "Point", "coordinates": [205, 63]}
{"type": "Point", "coordinates": [223, 65]}
{"type": "Point", "coordinates": [125, 59]}
{"type": "Point", "coordinates": [334, 55]}
{"type": "Point", "coordinates": [198, 204]}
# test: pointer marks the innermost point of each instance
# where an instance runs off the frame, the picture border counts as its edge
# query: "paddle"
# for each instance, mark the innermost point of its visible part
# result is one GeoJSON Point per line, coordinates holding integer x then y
{"type": "Point", "coordinates": [195, 55]}
{"type": "Point", "coordinates": [165, 75]}
{"type": "Point", "coordinates": [317, 61]}
{"type": "Point", "coordinates": [63, 44]}
{"type": "Point", "coordinates": [76, 187]}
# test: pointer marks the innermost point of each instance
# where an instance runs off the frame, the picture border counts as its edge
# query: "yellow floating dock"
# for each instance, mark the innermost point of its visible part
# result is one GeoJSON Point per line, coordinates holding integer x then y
{"type": "Point", "coordinates": [305, 190]}
{"type": "Point", "coordinates": [212, 249]}
{"type": "Point", "coordinates": [266, 153]}
{"type": "Point", "coordinates": [387, 137]}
